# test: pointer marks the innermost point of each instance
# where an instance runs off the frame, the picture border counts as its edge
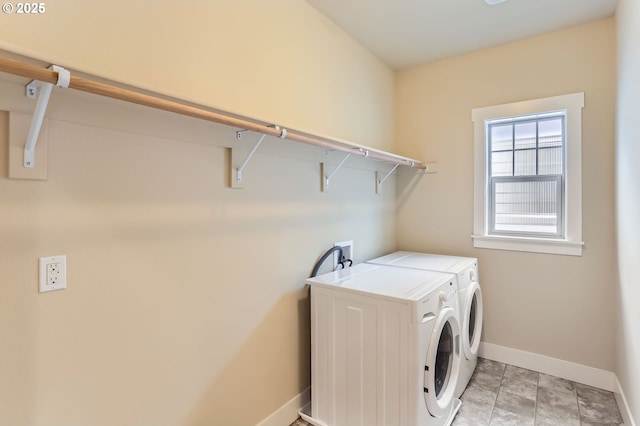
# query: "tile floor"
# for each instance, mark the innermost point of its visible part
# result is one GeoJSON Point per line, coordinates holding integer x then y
{"type": "Point", "coordinates": [503, 395]}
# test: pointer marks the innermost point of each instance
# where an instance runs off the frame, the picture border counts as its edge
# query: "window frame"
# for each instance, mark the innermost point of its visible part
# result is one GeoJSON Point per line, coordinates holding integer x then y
{"type": "Point", "coordinates": [517, 178]}
{"type": "Point", "coordinates": [570, 243]}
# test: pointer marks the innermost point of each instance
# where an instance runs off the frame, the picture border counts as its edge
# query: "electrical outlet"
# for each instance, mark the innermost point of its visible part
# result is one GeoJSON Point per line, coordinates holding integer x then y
{"type": "Point", "coordinates": [53, 273]}
{"type": "Point", "coordinates": [347, 252]}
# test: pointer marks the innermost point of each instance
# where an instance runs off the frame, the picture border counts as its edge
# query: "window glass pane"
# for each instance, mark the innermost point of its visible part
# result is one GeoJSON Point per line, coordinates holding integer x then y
{"type": "Point", "coordinates": [522, 151]}
{"type": "Point", "coordinates": [525, 135]}
{"type": "Point", "coordinates": [550, 132]}
{"type": "Point", "coordinates": [525, 163]}
{"type": "Point", "coordinates": [501, 137]}
{"type": "Point", "coordinates": [501, 163]}
{"type": "Point", "coordinates": [550, 161]}
{"type": "Point", "coordinates": [526, 206]}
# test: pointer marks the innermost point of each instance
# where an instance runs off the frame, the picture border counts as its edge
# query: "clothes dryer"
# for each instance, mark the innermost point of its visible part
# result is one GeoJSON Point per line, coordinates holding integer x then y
{"type": "Point", "coordinates": [469, 299]}
{"type": "Point", "coordinates": [385, 347]}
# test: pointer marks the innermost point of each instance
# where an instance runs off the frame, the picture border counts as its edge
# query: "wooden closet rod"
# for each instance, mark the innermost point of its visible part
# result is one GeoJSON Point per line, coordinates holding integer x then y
{"type": "Point", "coordinates": [43, 74]}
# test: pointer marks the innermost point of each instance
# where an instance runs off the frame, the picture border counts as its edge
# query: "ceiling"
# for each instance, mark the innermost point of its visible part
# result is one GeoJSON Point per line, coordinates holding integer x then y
{"type": "Point", "coordinates": [404, 33]}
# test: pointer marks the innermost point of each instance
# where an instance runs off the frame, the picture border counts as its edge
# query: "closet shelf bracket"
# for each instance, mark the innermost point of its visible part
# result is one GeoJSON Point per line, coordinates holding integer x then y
{"type": "Point", "coordinates": [326, 178]}
{"type": "Point", "coordinates": [236, 178]}
{"type": "Point", "coordinates": [238, 174]}
{"type": "Point", "coordinates": [379, 182]}
{"type": "Point", "coordinates": [42, 92]}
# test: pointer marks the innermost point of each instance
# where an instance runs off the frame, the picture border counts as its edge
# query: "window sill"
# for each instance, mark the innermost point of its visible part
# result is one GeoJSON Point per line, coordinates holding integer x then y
{"type": "Point", "coordinates": [535, 245]}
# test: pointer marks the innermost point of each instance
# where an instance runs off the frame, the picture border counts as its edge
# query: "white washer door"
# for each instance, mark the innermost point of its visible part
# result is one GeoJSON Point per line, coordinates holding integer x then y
{"type": "Point", "coordinates": [442, 364]}
{"type": "Point", "coordinates": [472, 322]}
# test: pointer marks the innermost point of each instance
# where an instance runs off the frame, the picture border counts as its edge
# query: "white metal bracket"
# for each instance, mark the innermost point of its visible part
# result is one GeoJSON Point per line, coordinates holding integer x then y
{"type": "Point", "coordinates": [430, 168]}
{"type": "Point", "coordinates": [236, 173]}
{"type": "Point", "coordinates": [41, 91]}
{"type": "Point", "coordinates": [326, 178]}
{"type": "Point", "coordinates": [379, 182]}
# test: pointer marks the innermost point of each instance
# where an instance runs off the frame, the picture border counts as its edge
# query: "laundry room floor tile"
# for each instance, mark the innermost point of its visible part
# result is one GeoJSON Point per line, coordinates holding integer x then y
{"type": "Point", "coordinates": [526, 397]}
{"type": "Point", "coordinates": [516, 404]}
{"type": "Point", "coordinates": [521, 374]}
{"type": "Point", "coordinates": [520, 387]}
{"type": "Point", "coordinates": [506, 418]}
{"type": "Point", "coordinates": [597, 406]}
{"type": "Point", "coordinates": [486, 381]}
{"type": "Point", "coordinates": [544, 418]}
{"type": "Point", "coordinates": [473, 413]}
{"type": "Point", "coordinates": [478, 393]}
{"type": "Point", "coordinates": [587, 422]}
{"type": "Point", "coordinates": [557, 384]}
{"type": "Point", "coordinates": [488, 366]}
{"type": "Point", "coordinates": [504, 395]}
{"type": "Point", "coordinates": [300, 422]}
{"type": "Point", "coordinates": [554, 402]}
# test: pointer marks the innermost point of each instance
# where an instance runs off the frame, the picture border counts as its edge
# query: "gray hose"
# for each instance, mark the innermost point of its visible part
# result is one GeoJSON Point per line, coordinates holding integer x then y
{"type": "Point", "coordinates": [324, 257]}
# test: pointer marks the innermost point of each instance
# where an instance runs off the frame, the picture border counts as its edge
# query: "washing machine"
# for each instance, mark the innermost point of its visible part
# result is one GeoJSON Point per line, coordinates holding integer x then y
{"type": "Point", "coordinates": [469, 299]}
{"type": "Point", "coordinates": [385, 347]}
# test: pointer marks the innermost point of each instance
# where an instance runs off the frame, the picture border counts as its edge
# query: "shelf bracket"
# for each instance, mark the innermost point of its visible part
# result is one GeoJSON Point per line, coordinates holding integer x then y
{"type": "Point", "coordinates": [238, 172]}
{"type": "Point", "coordinates": [379, 182]}
{"type": "Point", "coordinates": [326, 178]}
{"type": "Point", "coordinates": [41, 91]}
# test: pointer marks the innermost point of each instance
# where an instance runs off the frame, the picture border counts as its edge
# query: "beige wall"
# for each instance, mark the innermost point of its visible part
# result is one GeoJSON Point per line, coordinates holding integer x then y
{"type": "Point", "coordinates": [628, 202]}
{"type": "Point", "coordinates": [200, 315]}
{"type": "Point", "coordinates": [558, 306]}
{"type": "Point", "coordinates": [279, 61]}
{"type": "Point", "coordinates": [186, 302]}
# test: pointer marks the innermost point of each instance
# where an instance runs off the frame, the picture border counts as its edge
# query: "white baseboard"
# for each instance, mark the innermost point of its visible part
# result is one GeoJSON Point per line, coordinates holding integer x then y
{"type": "Point", "coordinates": [591, 376]}
{"type": "Point", "coordinates": [627, 418]}
{"type": "Point", "coordinates": [288, 413]}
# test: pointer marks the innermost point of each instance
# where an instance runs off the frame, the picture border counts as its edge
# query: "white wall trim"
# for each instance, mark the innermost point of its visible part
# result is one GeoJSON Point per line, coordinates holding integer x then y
{"type": "Point", "coordinates": [572, 105]}
{"type": "Point", "coordinates": [288, 413]}
{"type": "Point", "coordinates": [627, 418]}
{"type": "Point", "coordinates": [591, 376]}
{"type": "Point", "coordinates": [535, 245]}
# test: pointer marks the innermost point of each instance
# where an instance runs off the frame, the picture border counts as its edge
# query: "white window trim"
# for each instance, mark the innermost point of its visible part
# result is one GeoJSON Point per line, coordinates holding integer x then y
{"type": "Point", "coordinates": [572, 244]}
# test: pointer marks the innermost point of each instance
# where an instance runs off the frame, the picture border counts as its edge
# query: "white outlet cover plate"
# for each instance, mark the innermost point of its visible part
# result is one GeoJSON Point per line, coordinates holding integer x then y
{"type": "Point", "coordinates": [61, 282]}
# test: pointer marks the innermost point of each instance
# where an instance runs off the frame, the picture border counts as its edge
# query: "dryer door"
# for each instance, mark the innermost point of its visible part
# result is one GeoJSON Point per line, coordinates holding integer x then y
{"type": "Point", "coordinates": [472, 320]}
{"type": "Point", "coordinates": [442, 364]}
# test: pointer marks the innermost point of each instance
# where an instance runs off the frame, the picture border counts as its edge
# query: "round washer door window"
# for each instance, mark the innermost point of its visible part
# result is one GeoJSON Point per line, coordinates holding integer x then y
{"type": "Point", "coordinates": [472, 324]}
{"type": "Point", "coordinates": [442, 364]}
{"type": "Point", "coordinates": [444, 360]}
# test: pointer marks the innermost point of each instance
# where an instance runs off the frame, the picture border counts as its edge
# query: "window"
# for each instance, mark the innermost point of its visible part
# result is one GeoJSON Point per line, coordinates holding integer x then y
{"type": "Point", "coordinates": [526, 175]}
{"type": "Point", "coordinates": [528, 190]}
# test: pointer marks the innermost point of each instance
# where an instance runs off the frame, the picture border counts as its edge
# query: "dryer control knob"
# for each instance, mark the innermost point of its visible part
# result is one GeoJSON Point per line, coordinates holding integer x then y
{"type": "Point", "coordinates": [442, 296]}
